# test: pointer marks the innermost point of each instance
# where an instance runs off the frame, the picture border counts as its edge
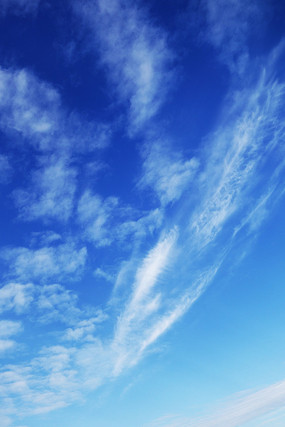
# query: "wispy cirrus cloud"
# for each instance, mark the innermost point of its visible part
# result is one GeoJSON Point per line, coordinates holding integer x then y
{"type": "Point", "coordinates": [255, 133]}
{"type": "Point", "coordinates": [235, 160]}
{"type": "Point", "coordinates": [133, 50]}
{"type": "Point", "coordinates": [238, 411]}
{"type": "Point", "coordinates": [137, 317]}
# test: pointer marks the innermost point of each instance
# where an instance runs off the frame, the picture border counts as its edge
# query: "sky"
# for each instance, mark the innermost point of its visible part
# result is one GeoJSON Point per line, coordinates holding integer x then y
{"type": "Point", "coordinates": [142, 172]}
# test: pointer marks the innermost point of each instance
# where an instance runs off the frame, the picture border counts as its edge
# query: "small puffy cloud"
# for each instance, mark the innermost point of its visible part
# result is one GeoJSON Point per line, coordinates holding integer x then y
{"type": "Point", "coordinates": [104, 274]}
{"type": "Point", "coordinates": [9, 327]}
{"type": "Point", "coordinates": [54, 302]}
{"type": "Point", "coordinates": [140, 226]}
{"type": "Point", "coordinates": [51, 192]}
{"type": "Point", "coordinates": [167, 173]}
{"type": "Point", "coordinates": [46, 262]}
{"type": "Point", "coordinates": [45, 238]}
{"type": "Point", "coordinates": [45, 304]}
{"type": "Point", "coordinates": [94, 214]}
{"type": "Point", "coordinates": [6, 345]}
{"type": "Point", "coordinates": [15, 296]}
{"type": "Point", "coordinates": [84, 330]}
{"type": "Point", "coordinates": [28, 105]}
{"type": "Point", "coordinates": [106, 221]}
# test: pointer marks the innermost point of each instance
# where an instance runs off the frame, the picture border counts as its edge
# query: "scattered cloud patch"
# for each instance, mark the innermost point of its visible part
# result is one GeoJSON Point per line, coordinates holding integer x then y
{"type": "Point", "coordinates": [45, 263]}
{"type": "Point", "coordinates": [167, 173]}
{"type": "Point", "coordinates": [105, 221]}
{"type": "Point", "coordinates": [8, 328]}
{"type": "Point", "coordinates": [28, 106]}
{"type": "Point", "coordinates": [51, 192]}
{"type": "Point", "coordinates": [32, 109]}
{"type": "Point", "coordinates": [15, 296]}
{"type": "Point", "coordinates": [133, 50]}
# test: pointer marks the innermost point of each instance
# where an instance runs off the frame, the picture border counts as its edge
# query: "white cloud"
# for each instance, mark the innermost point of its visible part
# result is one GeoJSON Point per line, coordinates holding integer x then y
{"type": "Point", "coordinates": [166, 172]}
{"type": "Point", "coordinates": [85, 329]}
{"type": "Point", "coordinates": [45, 238]}
{"type": "Point", "coordinates": [236, 160]}
{"type": "Point", "coordinates": [6, 345]}
{"type": "Point", "coordinates": [235, 153]}
{"type": "Point", "coordinates": [133, 50]}
{"type": "Point", "coordinates": [51, 192]}
{"type": "Point", "coordinates": [47, 262]}
{"type": "Point", "coordinates": [151, 268]}
{"type": "Point", "coordinates": [133, 324]}
{"type": "Point", "coordinates": [105, 221]}
{"type": "Point", "coordinates": [247, 137]}
{"type": "Point", "coordinates": [34, 392]}
{"type": "Point", "coordinates": [9, 327]}
{"type": "Point", "coordinates": [45, 304]}
{"type": "Point", "coordinates": [140, 226]}
{"type": "Point", "coordinates": [15, 296]}
{"type": "Point", "coordinates": [31, 112]}
{"type": "Point", "coordinates": [32, 109]}
{"type": "Point", "coordinates": [94, 213]}
{"type": "Point", "coordinates": [54, 302]}
{"type": "Point", "coordinates": [28, 106]}
{"type": "Point", "coordinates": [104, 274]}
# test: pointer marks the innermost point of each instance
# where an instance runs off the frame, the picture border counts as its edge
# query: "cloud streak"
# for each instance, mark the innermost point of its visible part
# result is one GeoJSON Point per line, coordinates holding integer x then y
{"type": "Point", "coordinates": [238, 411]}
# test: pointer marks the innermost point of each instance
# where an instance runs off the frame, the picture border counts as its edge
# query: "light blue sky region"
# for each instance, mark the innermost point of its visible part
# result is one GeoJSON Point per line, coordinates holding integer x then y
{"type": "Point", "coordinates": [142, 177]}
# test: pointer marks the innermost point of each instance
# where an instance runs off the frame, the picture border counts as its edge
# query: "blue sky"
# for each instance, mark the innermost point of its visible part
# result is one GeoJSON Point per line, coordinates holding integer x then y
{"type": "Point", "coordinates": [142, 213]}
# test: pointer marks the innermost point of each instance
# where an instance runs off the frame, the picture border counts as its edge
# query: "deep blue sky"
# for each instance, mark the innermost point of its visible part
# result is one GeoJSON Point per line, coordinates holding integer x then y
{"type": "Point", "coordinates": [142, 181]}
